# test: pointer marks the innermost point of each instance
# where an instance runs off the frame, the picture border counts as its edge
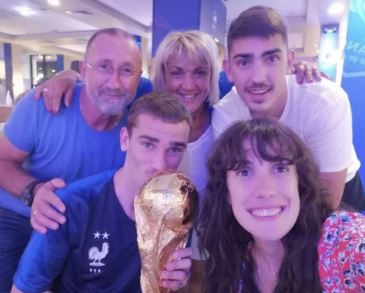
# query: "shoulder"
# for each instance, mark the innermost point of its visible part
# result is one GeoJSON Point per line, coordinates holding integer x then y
{"type": "Point", "coordinates": [343, 226]}
{"type": "Point", "coordinates": [342, 251]}
{"type": "Point", "coordinates": [27, 103]}
{"type": "Point", "coordinates": [325, 92]}
{"type": "Point", "coordinates": [85, 189]}
{"type": "Point", "coordinates": [343, 236]}
{"type": "Point", "coordinates": [27, 115]}
{"type": "Point", "coordinates": [228, 101]}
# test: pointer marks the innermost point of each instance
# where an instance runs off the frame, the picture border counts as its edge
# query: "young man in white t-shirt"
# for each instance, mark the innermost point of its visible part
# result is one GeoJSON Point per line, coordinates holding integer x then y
{"type": "Point", "coordinates": [320, 113]}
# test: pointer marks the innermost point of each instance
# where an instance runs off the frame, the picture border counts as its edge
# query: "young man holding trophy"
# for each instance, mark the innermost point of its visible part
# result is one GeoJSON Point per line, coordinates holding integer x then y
{"type": "Point", "coordinates": [96, 249]}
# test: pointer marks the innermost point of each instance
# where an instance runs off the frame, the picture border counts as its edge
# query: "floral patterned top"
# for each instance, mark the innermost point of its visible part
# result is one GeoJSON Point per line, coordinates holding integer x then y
{"type": "Point", "coordinates": [341, 251]}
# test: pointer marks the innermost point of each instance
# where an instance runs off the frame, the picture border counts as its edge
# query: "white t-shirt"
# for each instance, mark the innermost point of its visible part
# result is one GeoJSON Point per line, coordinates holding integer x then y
{"type": "Point", "coordinates": [319, 113]}
{"type": "Point", "coordinates": [193, 165]}
{"type": "Point", "coordinates": [194, 160]}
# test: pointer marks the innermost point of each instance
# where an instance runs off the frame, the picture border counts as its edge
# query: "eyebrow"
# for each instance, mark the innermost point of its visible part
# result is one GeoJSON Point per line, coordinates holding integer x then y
{"type": "Point", "coordinates": [270, 52]}
{"type": "Point", "coordinates": [178, 144]}
{"type": "Point", "coordinates": [150, 138]}
{"type": "Point", "coordinates": [204, 67]}
{"type": "Point", "coordinates": [250, 55]}
{"type": "Point", "coordinates": [156, 140]}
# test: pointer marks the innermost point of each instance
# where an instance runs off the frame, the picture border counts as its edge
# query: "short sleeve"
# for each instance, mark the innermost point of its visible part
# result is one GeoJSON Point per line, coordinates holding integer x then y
{"type": "Point", "coordinates": [20, 128]}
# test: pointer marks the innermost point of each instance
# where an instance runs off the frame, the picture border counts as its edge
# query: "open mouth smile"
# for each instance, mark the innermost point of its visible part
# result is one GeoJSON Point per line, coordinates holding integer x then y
{"type": "Point", "coordinates": [266, 213]}
{"type": "Point", "coordinates": [259, 91]}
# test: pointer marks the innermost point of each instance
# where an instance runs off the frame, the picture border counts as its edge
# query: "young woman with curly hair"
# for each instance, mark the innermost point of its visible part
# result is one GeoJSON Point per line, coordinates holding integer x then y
{"type": "Point", "coordinates": [265, 225]}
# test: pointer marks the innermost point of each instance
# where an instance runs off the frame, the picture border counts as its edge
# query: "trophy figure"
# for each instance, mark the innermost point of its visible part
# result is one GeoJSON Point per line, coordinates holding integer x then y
{"type": "Point", "coordinates": [164, 213]}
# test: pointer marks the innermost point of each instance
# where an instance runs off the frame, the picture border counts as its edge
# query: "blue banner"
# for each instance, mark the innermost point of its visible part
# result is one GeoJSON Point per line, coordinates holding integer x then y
{"type": "Point", "coordinates": [353, 80]}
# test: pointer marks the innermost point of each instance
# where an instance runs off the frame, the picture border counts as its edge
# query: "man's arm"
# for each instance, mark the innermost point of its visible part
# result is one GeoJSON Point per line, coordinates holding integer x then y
{"type": "Point", "coordinates": [334, 182]}
{"type": "Point", "coordinates": [329, 136]}
{"type": "Point", "coordinates": [13, 178]}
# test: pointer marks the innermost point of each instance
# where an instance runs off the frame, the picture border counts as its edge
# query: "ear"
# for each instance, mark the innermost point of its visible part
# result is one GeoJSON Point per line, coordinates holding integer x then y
{"type": "Point", "coordinates": [227, 69]}
{"type": "Point", "coordinates": [124, 139]}
{"type": "Point", "coordinates": [140, 73]}
{"type": "Point", "coordinates": [291, 56]}
{"type": "Point", "coordinates": [83, 69]}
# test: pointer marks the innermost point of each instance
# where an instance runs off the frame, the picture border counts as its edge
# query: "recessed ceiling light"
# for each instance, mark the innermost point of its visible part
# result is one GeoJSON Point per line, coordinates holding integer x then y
{"type": "Point", "coordinates": [25, 11]}
{"type": "Point", "coordinates": [54, 2]}
{"type": "Point", "coordinates": [336, 8]}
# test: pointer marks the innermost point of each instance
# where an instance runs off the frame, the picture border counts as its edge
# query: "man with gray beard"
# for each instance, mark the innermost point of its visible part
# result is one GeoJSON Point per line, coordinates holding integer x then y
{"type": "Point", "coordinates": [40, 152]}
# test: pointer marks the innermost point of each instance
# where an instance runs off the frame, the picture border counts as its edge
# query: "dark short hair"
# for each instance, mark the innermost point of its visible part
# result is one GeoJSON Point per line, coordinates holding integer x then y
{"type": "Point", "coordinates": [163, 106]}
{"type": "Point", "coordinates": [257, 21]}
{"type": "Point", "coordinates": [108, 31]}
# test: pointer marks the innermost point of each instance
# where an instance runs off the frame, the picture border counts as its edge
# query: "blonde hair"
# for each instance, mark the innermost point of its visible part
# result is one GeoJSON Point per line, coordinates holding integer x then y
{"type": "Point", "coordinates": [198, 47]}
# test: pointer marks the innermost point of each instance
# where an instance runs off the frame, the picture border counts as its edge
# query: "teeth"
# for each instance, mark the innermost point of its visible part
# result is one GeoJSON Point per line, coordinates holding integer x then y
{"type": "Point", "coordinates": [188, 96]}
{"type": "Point", "coordinates": [258, 91]}
{"type": "Point", "coordinates": [266, 212]}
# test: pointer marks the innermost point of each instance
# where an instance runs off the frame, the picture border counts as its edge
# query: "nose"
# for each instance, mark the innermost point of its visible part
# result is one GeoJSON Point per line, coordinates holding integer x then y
{"type": "Point", "coordinates": [266, 188]}
{"type": "Point", "coordinates": [159, 162]}
{"type": "Point", "coordinates": [115, 80]}
{"type": "Point", "coordinates": [265, 193]}
{"type": "Point", "coordinates": [258, 72]}
{"type": "Point", "coordinates": [188, 82]}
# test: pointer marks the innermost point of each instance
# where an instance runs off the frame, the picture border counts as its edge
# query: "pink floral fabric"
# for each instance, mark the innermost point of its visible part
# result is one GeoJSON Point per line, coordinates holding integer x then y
{"type": "Point", "coordinates": [341, 253]}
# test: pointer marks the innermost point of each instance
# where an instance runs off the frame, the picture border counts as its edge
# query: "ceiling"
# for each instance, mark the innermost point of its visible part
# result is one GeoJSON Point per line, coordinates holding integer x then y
{"type": "Point", "coordinates": [65, 29]}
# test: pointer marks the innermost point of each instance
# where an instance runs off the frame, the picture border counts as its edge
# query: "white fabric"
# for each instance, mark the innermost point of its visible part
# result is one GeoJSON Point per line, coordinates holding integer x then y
{"type": "Point", "coordinates": [319, 113]}
{"type": "Point", "coordinates": [194, 161]}
{"type": "Point", "coordinates": [193, 165]}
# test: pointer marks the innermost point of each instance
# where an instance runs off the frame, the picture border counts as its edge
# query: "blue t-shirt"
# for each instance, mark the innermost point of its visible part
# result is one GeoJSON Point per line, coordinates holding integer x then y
{"type": "Point", "coordinates": [224, 84]}
{"type": "Point", "coordinates": [62, 145]}
{"type": "Point", "coordinates": [144, 87]}
{"type": "Point", "coordinates": [94, 251]}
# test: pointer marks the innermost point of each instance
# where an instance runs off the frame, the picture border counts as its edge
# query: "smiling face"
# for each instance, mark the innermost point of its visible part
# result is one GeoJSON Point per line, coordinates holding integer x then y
{"type": "Point", "coordinates": [111, 72]}
{"type": "Point", "coordinates": [188, 80]}
{"type": "Point", "coordinates": [257, 66]}
{"type": "Point", "coordinates": [264, 196]}
{"type": "Point", "coordinates": [153, 145]}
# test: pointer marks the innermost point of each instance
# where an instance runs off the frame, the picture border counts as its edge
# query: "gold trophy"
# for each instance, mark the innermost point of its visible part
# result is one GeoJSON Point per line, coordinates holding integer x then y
{"type": "Point", "coordinates": [164, 213]}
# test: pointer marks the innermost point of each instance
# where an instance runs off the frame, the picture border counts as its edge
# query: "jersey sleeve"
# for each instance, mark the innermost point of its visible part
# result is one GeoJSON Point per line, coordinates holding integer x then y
{"type": "Point", "coordinates": [42, 260]}
{"type": "Point", "coordinates": [44, 257]}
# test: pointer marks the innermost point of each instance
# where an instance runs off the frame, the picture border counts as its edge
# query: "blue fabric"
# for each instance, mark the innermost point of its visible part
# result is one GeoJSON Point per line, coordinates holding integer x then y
{"type": "Point", "coordinates": [144, 87]}
{"type": "Point", "coordinates": [95, 251]}
{"type": "Point", "coordinates": [15, 231]}
{"type": "Point", "coordinates": [224, 84]}
{"type": "Point", "coordinates": [60, 145]}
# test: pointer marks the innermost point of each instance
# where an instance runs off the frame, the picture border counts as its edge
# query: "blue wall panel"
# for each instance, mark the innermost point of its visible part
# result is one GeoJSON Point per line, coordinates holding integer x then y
{"type": "Point", "coordinates": [353, 80]}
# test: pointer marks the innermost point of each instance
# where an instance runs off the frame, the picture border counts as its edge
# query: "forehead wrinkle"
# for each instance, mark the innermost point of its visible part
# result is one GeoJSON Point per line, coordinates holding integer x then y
{"type": "Point", "coordinates": [128, 46]}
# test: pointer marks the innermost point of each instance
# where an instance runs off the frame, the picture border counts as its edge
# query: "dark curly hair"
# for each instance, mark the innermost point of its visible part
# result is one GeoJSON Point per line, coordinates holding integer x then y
{"type": "Point", "coordinates": [226, 244]}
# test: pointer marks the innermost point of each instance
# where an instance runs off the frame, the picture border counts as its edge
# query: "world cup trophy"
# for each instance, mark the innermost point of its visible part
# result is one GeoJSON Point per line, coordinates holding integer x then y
{"type": "Point", "coordinates": [164, 212]}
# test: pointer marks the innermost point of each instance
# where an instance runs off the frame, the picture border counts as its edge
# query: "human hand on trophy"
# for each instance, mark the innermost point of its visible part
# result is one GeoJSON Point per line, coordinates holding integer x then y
{"type": "Point", "coordinates": [177, 271]}
{"type": "Point", "coordinates": [164, 212]}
